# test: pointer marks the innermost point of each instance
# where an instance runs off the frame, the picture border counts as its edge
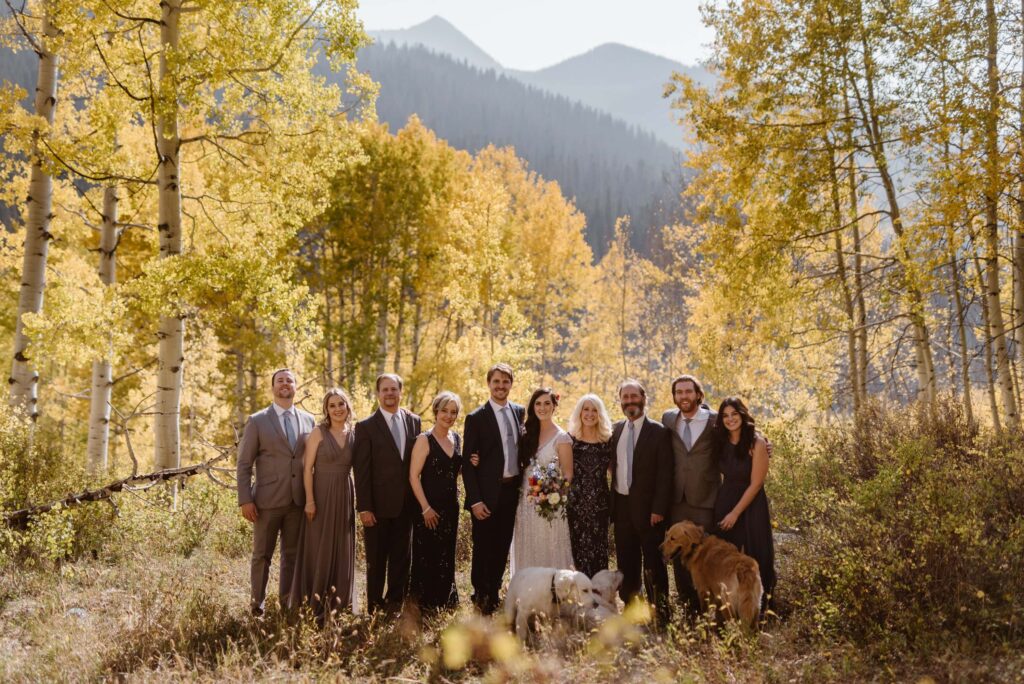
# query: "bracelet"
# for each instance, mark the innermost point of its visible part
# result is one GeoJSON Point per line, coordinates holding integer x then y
{"type": "Point", "coordinates": [428, 508]}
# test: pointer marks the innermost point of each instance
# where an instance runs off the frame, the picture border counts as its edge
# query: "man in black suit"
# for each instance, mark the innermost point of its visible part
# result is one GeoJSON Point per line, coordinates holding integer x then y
{"type": "Point", "coordinates": [641, 493]}
{"type": "Point", "coordinates": [492, 434]}
{"type": "Point", "coordinates": [382, 451]}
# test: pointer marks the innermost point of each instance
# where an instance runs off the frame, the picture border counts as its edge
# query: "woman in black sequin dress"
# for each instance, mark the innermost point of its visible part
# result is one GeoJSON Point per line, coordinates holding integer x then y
{"type": "Point", "coordinates": [433, 471]}
{"type": "Point", "coordinates": [591, 432]}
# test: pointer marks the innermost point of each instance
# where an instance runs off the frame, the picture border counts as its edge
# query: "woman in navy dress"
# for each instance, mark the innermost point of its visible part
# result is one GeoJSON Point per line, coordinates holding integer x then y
{"type": "Point", "coordinates": [741, 507]}
{"type": "Point", "coordinates": [433, 472]}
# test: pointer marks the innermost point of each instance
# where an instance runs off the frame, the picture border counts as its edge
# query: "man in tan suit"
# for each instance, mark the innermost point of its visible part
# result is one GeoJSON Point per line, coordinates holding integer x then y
{"type": "Point", "coordinates": [272, 497]}
{"type": "Point", "coordinates": [697, 480]}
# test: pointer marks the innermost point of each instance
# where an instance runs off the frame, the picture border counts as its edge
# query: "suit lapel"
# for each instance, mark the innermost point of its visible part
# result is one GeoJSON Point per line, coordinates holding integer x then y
{"type": "Point", "coordinates": [646, 433]}
{"type": "Point", "coordinates": [385, 430]}
{"type": "Point", "coordinates": [410, 430]}
{"type": "Point", "coordinates": [492, 419]}
{"type": "Point", "coordinates": [275, 422]}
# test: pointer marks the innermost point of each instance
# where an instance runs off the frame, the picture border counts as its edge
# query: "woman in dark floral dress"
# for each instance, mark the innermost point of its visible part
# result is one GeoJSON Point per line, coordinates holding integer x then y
{"type": "Point", "coordinates": [433, 471]}
{"type": "Point", "coordinates": [591, 431]}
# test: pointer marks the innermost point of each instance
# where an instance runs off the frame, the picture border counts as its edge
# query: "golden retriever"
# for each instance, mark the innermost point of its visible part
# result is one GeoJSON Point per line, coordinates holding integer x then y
{"type": "Point", "coordinates": [719, 571]}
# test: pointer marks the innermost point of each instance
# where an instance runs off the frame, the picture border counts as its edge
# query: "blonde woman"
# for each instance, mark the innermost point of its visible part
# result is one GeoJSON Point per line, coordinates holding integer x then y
{"type": "Point", "coordinates": [591, 431]}
{"type": "Point", "coordinates": [433, 476]}
{"type": "Point", "coordinates": [325, 569]}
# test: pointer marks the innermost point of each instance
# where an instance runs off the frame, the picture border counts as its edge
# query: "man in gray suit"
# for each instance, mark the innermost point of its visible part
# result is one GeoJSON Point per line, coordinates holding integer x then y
{"type": "Point", "coordinates": [697, 479]}
{"type": "Point", "coordinates": [272, 497]}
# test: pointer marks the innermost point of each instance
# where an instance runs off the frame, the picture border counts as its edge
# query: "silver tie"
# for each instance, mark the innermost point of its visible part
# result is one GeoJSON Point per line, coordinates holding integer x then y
{"type": "Point", "coordinates": [289, 431]}
{"type": "Point", "coordinates": [630, 446]}
{"type": "Point", "coordinates": [397, 435]}
{"type": "Point", "coordinates": [687, 437]}
{"type": "Point", "coordinates": [511, 465]}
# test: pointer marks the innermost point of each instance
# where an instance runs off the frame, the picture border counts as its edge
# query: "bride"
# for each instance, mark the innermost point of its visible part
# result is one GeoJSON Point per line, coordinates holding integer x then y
{"type": "Point", "coordinates": [538, 542]}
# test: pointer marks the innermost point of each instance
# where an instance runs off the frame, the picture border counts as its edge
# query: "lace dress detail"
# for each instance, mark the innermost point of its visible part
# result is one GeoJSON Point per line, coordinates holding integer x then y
{"type": "Point", "coordinates": [433, 550]}
{"type": "Point", "coordinates": [588, 505]}
{"type": "Point", "coordinates": [539, 543]}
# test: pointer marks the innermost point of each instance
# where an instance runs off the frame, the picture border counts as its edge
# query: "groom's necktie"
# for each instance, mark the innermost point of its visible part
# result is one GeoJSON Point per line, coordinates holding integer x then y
{"type": "Point", "coordinates": [511, 466]}
{"type": "Point", "coordinates": [289, 431]}
{"type": "Point", "coordinates": [687, 437]}
{"type": "Point", "coordinates": [630, 446]}
{"type": "Point", "coordinates": [396, 434]}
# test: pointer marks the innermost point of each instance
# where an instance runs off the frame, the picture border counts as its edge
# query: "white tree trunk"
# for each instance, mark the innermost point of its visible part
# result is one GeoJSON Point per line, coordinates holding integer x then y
{"type": "Point", "coordinates": [102, 374]}
{"type": "Point", "coordinates": [1018, 244]}
{"type": "Point", "coordinates": [167, 423]}
{"type": "Point", "coordinates": [993, 186]}
{"type": "Point", "coordinates": [24, 380]}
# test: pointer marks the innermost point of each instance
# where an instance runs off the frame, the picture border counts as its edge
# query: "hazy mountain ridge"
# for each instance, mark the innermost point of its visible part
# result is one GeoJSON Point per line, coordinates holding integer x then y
{"type": "Point", "coordinates": [623, 81]}
{"type": "Point", "coordinates": [609, 167]}
{"type": "Point", "coordinates": [440, 36]}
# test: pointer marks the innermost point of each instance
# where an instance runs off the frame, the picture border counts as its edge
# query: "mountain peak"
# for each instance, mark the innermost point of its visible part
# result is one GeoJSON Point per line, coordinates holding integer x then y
{"type": "Point", "coordinates": [437, 34]}
{"type": "Point", "coordinates": [438, 22]}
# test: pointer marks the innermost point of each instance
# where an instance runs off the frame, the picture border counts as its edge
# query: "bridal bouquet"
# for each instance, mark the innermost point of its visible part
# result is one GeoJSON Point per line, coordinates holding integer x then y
{"type": "Point", "coordinates": [548, 491]}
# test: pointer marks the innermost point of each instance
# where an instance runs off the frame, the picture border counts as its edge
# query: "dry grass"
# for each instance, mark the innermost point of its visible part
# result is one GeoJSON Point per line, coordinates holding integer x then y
{"type": "Point", "coordinates": [164, 616]}
{"type": "Point", "coordinates": [906, 567]}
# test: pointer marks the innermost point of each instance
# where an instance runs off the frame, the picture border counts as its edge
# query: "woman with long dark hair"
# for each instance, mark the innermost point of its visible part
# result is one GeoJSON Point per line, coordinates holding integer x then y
{"type": "Point", "coordinates": [538, 542]}
{"type": "Point", "coordinates": [741, 507]}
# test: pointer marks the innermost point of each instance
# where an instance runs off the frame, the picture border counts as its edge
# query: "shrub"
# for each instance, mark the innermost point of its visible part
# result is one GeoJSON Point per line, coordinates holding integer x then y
{"type": "Point", "coordinates": [912, 529]}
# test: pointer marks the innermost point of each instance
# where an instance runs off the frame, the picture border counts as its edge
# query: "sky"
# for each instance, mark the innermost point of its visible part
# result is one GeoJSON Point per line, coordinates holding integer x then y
{"type": "Point", "coordinates": [533, 34]}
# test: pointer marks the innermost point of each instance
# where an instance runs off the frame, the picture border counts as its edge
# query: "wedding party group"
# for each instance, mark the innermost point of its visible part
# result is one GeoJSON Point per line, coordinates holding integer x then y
{"type": "Point", "coordinates": [538, 495]}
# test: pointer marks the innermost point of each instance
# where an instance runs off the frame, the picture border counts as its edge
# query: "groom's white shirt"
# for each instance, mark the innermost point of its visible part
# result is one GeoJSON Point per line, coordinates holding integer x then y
{"type": "Point", "coordinates": [621, 469]}
{"type": "Point", "coordinates": [503, 428]}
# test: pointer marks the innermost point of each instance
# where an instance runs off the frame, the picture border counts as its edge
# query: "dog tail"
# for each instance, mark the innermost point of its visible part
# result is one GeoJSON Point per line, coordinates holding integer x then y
{"type": "Point", "coordinates": [750, 592]}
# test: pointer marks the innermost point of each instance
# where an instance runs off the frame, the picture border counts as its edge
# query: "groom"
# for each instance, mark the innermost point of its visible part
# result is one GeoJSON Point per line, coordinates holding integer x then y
{"type": "Point", "coordinates": [272, 444]}
{"type": "Point", "coordinates": [492, 433]}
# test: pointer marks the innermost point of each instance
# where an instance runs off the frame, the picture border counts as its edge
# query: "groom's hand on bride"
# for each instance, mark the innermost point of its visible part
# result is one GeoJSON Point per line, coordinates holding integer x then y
{"type": "Point", "coordinates": [367, 518]}
{"type": "Point", "coordinates": [480, 511]}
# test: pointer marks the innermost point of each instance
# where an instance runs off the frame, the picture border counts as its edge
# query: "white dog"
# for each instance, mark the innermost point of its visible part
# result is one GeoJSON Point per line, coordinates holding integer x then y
{"type": "Point", "coordinates": [606, 585]}
{"type": "Point", "coordinates": [539, 593]}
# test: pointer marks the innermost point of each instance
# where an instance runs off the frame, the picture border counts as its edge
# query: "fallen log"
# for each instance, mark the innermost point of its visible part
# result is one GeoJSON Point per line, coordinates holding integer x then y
{"type": "Point", "coordinates": [19, 519]}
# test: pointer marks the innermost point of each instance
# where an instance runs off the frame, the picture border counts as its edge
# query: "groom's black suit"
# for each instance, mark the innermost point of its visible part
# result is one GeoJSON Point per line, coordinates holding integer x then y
{"type": "Point", "coordinates": [485, 483]}
{"type": "Point", "coordinates": [636, 540]}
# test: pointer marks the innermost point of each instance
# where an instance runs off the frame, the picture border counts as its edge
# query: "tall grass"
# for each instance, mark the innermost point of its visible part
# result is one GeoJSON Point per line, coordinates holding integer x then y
{"type": "Point", "coordinates": [902, 559]}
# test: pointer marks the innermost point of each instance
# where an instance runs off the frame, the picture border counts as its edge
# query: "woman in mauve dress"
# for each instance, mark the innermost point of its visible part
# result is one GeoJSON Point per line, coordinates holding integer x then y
{"type": "Point", "coordinates": [326, 561]}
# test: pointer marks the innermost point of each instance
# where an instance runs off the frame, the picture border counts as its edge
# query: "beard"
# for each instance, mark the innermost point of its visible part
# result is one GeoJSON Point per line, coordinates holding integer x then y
{"type": "Point", "coordinates": [637, 405]}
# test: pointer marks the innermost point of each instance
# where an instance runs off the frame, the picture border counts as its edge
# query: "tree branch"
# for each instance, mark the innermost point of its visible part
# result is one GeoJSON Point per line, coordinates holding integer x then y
{"type": "Point", "coordinates": [19, 519]}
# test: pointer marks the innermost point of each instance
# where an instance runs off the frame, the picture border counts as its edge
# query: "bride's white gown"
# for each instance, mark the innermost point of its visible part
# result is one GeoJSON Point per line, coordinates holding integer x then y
{"type": "Point", "coordinates": [538, 543]}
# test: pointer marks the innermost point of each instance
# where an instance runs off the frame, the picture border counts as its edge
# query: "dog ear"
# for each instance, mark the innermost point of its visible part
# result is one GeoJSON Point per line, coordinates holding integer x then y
{"type": "Point", "coordinates": [617, 578]}
{"type": "Point", "coordinates": [565, 587]}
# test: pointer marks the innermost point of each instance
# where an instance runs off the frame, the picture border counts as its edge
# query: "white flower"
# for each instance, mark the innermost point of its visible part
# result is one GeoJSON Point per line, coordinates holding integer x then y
{"type": "Point", "coordinates": [553, 499]}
